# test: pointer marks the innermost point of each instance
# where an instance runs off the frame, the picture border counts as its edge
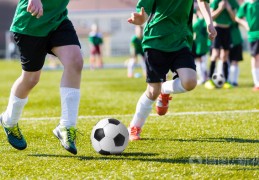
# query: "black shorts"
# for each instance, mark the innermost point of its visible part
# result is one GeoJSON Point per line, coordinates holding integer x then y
{"type": "Point", "coordinates": [159, 63]}
{"type": "Point", "coordinates": [254, 48]}
{"type": "Point", "coordinates": [222, 40]}
{"type": "Point", "coordinates": [236, 53]}
{"type": "Point", "coordinates": [34, 49]}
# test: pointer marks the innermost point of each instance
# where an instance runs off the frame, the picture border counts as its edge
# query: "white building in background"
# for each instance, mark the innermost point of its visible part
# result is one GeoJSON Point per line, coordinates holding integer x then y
{"type": "Point", "coordinates": [111, 17]}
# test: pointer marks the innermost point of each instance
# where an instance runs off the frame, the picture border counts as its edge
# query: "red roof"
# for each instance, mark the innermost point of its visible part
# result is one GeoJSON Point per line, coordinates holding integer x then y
{"type": "Point", "coordinates": [89, 5]}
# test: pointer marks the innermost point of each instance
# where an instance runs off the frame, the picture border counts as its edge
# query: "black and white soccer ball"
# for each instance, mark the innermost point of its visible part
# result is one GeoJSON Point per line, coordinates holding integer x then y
{"type": "Point", "coordinates": [109, 136]}
{"type": "Point", "coordinates": [218, 79]}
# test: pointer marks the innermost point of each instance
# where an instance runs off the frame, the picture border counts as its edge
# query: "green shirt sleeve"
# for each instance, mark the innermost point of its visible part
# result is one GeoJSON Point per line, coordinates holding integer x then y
{"type": "Point", "coordinates": [241, 11]}
{"type": "Point", "coordinates": [147, 5]}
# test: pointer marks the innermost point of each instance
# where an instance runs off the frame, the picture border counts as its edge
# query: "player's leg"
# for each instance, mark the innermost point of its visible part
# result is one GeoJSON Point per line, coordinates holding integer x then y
{"type": "Point", "coordinates": [33, 53]}
{"type": "Point", "coordinates": [233, 73]}
{"type": "Point", "coordinates": [143, 65]}
{"type": "Point", "coordinates": [143, 109]}
{"type": "Point", "coordinates": [99, 59]}
{"type": "Point", "coordinates": [72, 61]}
{"type": "Point", "coordinates": [254, 48]}
{"type": "Point", "coordinates": [255, 71]}
{"type": "Point", "coordinates": [200, 71]}
{"type": "Point", "coordinates": [64, 43]}
{"type": "Point", "coordinates": [186, 80]}
{"type": "Point", "coordinates": [158, 67]}
{"type": "Point", "coordinates": [130, 66]}
{"type": "Point", "coordinates": [214, 56]}
{"type": "Point", "coordinates": [92, 61]}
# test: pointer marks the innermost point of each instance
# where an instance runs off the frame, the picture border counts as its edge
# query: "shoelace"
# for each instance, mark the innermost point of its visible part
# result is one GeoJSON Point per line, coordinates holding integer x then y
{"type": "Point", "coordinates": [71, 134]}
{"type": "Point", "coordinates": [15, 131]}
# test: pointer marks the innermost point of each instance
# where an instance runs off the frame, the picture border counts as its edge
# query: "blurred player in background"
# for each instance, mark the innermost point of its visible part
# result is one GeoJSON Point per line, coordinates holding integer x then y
{"type": "Point", "coordinates": [250, 11]}
{"type": "Point", "coordinates": [167, 43]}
{"type": "Point", "coordinates": [235, 54]}
{"type": "Point", "coordinates": [200, 47]}
{"type": "Point", "coordinates": [96, 40]}
{"type": "Point", "coordinates": [136, 50]}
{"type": "Point", "coordinates": [42, 27]}
{"type": "Point", "coordinates": [223, 13]}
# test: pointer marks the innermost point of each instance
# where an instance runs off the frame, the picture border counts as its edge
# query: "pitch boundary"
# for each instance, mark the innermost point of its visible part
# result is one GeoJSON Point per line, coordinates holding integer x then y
{"type": "Point", "coordinates": [169, 114]}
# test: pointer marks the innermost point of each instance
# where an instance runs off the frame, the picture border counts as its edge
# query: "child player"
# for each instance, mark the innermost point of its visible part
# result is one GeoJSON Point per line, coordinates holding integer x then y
{"type": "Point", "coordinates": [167, 43]}
{"type": "Point", "coordinates": [42, 27]}
{"type": "Point", "coordinates": [135, 51]}
{"type": "Point", "coordinates": [223, 13]}
{"type": "Point", "coordinates": [250, 11]}
{"type": "Point", "coordinates": [96, 40]}
{"type": "Point", "coordinates": [200, 47]}
{"type": "Point", "coordinates": [235, 54]}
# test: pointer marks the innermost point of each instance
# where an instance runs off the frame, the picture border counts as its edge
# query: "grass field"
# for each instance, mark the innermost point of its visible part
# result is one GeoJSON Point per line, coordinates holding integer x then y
{"type": "Point", "coordinates": [207, 134]}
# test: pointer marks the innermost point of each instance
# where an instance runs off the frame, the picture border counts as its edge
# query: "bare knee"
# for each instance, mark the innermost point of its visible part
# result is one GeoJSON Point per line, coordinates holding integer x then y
{"type": "Point", "coordinates": [153, 90]}
{"type": "Point", "coordinates": [30, 79]}
{"type": "Point", "coordinates": [75, 63]}
{"type": "Point", "coordinates": [189, 84]}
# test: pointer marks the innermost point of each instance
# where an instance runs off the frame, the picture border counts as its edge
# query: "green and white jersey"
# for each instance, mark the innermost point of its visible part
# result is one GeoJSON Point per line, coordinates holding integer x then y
{"type": "Point", "coordinates": [250, 11]}
{"type": "Point", "coordinates": [170, 29]}
{"type": "Point", "coordinates": [224, 17]}
{"type": "Point", "coordinates": [54, 12]}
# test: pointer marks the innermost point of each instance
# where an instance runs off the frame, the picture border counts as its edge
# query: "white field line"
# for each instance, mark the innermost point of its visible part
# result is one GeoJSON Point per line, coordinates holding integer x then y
{"type": "Point", "coordinates": [168, 114]}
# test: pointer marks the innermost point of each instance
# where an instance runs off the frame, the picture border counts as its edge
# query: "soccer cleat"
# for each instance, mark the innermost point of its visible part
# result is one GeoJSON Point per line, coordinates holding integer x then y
{"type": "Point", "coordinates": [209, 84]}
{"type": "Point", "coordinates": [256, 88]}
{"type": "Point", "coordinates": [14, 136]}
{"type": "Point", "coordinates": [227, 85]}
{"type": "Point", "coordinates": [162, 103]}
{"type": "Point", "coordinates": [67, 137]}
{"type": "Point", "coordinates": [234, 84]}
{"type": "Point", "coordinates": [134, 133]}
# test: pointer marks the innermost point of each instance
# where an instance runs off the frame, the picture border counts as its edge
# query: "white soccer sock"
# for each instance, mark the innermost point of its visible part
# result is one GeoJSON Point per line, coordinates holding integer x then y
{"type": "Point", "coordinates": [220, 67]}
{"type": "Point", "coordinates": [199, 70]}
{"type": "Point", "coordinates": [131, 65]}
{"type": "Point", "coordinates": [233, 73]}
{"type": "Point", "coordinates": [143, 65]}
{"type": "Point", "coordinates": [173, 86]}
{"type": "Point", "coordinates": [143, 109]}
{"type": "Point", "coordinates": [14, 110]}
{"type": "Point", "coordinates": [70, 98]}
{"type": "Point", "coordinates": [255, 74]}
{"type": "Point", "coordinates": [204, 66]}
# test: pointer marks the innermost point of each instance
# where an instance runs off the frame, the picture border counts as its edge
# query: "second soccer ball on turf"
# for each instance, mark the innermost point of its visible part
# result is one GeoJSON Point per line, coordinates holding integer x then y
{"type": "Point", "coordinates": [109, 136]}
{"type": "Point", "coordinates": [218, 79]}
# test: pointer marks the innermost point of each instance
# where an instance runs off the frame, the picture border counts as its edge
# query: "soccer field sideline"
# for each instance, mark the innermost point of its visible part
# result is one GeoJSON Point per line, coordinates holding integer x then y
{"type": "Point", "coordinates": [168, 114]}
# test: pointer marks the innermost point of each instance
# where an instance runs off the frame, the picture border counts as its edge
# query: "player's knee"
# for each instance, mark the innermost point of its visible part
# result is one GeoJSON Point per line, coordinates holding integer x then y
{"type": "Point", "coordinates": [78, 60]}
{"type": "Point", "coordinates": [32, 81]}
{"type": "Point", "coordinates": [153, 94]}
{"type": "Point", "coordinates": [189, 84]}
{"type": "Point", "coordinates": [75, 62]}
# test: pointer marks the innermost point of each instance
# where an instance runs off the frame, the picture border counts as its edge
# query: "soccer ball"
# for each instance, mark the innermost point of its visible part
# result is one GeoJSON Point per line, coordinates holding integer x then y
{"type": "Point", "coordinates": [218, 79]}
{"type": "Point", "coordinates": [109, 136]}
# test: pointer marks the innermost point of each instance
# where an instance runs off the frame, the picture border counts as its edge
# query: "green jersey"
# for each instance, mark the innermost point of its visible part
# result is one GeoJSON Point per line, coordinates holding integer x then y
{"type": "Point", "coordinates": [236, 37]}
{"type": "Point", "coordinates": [201, 38]}
{"type": "Point", "coordinates": [95, 38]}
{"type": "Point", "coordinates": [136, 45]}
{"type": "Point", "coordinates": [251, 12]}
{"type": "Point", "coordinates": [170, 29]}
{"type": "Point", "coordinates": [224, 17]}
{"type": "Point", "coordinates": [54, 12]}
